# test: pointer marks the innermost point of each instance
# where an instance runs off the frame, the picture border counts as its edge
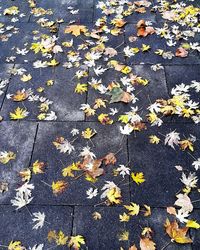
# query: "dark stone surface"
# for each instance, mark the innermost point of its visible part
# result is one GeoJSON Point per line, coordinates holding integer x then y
{"type": "Point", "coordinates": [97, 232]}
{"type": "Point", "coordinates": [195, 232]}
{"type": "Point", "coordinates": [17, 225]}
{"type": "Point", "coordinates": [158, 162]}
{"type": "Point", "coordinates": [66, 104]}
{"type": "Point", "coordinates": [107, 140]}
{"type": "Point", "coordinates": [17, 137]}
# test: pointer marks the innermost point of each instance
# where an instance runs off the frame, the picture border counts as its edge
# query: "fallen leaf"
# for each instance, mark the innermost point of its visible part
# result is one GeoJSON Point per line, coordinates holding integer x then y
{"type": "Point", "coordinates": [110, 159]}
{"type": "Point", "coordinates": [147, 244]}
{"type": "Point", "coordinates": [76, 30]}
{"type": "Point", "coordinates": [177, 234]}
{"type": "Point", "coordinates": [171, 210]}
{"type": "Point", "coordinates": [181, 52]}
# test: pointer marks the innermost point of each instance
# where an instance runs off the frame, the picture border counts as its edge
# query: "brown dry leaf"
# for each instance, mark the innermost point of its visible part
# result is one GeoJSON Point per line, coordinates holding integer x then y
{"type": "Point", "coordinates": [133, 247]}
{"type": "Point", "coordinates": [147, 244]}
{"type": "Point", "coordinates": [96, 216]}
{"type": "Point", "coordinates": [110, 159]}
{"type": "Point", "coordinates": [126, 97]}
{"type": "Point", "coordinates": [76, 29]}
{"type": "Point", "coordinates": [59, 187]}
{"type": "Point", "coordinates": [110, 52]}
{"type": "Point", "coordinates": [181, 52]}
{"type": "Point", "coordinates": [143, 3]}
{"type": "Point", "coordinates": [140, 10]}
{"type": "Point", "coordinates": [3, 187]}
{"type": "Point", "coordinates": [184, 202]}
{"type": "Point", "coordinates": [171, 210]}
{"type": "Point", "coordinates": [132, 39]}
{"type": "Point", "coordinates": [144, 30]}
{"type": "Point", "coordinates": [119, 23]}
{"type": "Point", "coordinates": [92, 167]}
{"type": "Point", "coordinates": [175, 233]}
{"type": "Point", "coordinates": [25, 174]}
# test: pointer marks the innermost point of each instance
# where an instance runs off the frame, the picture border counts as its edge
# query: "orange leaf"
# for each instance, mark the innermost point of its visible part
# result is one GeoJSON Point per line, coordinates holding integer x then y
{"type": "Point", "coordinates": [76, 29]}
{"type": "Point", "coordinates": [171, 210]}
{"type": "Point", "coordinates": [177, 234]}
{"type": "Point", "coordinates": [110, 159]}
{"type": "Point", "coordinates": [147, 244]}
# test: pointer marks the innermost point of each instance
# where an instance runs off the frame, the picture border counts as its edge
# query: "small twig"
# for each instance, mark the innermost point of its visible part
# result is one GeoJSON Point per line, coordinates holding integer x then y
{"type": "Point", "coordinates": [29, 211]}
{"type": "Point", "coordinates": [45, 183]}
{"type": "Point", "coordinates": [79, 176]}
{"type": "Point", "coordinates": [195, 201]}
{"type": "Point", "coordinates": [98, 204]}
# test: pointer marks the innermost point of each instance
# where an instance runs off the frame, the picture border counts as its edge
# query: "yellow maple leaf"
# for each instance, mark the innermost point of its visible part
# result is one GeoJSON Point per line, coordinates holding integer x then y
{"type": "Point", "coordinates": [76, 241]}
{"type": "Point", "coordinates": [53, 63]}
{"type": "Point", "coordinates": [145, 47]}
{"type": "Point", "coordinates": [114, 196]}
{"type": "Point", "coordinates": [15, 245]}
{"type": "Point", "coordinates": [88, 133]}
{"type": "Point", "coordinates": [124, 118]}
{"type": "Point", "coordinates": [124, 217]}
{"type": "Point", "coordinates": [61, 239]}
{"type": "Point", "coordinates": [184, 144]}
{"type": "Point", "coordinates": [81, 88]}
{"type": "Point", "coordinates": [133, 209]}
{"type": "Point", "coordinates": [68, 170]}
{"type": "Point", "coordinates": [192, 224]}
{"type": "Point", "coordinates": [59, 187]}
{"type": "Point", "coordinates": [5, 157]}
{"type": "Point", "coordinates": [76, 30]}
{"type": "Point", "coordinates": [148, 210]}
{"type": "Point", "coordinates": [13, 10]}
{"type": "Point", "coordinates": [124, 236]}
{"type": "Point", "coordinates": [18, 114]}
{"type": "Point", "coordinates": [105, 119]}
{"type": "Point", "coordinates": [154, 139]}
{"type": "Point", "coordinates": [126, 70]}
{"type": "Point", "coordinates": [138, 178]}
{"type": "Point", "coordinates": [100, 103]}
{"type": "Point", "coordinates": [38, 167]}
{"type": "Point", "coordinates": [26, 78]}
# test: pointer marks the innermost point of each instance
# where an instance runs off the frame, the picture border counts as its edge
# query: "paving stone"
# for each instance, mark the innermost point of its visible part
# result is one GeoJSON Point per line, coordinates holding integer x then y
{"type": "Point", "coordinates": [66, 105]}
{"type": "Point", "coordinates": [24, 11]}
{"type": "Point", "coordinates": [158, 164]}
{"type": "Point", "coordinates": [4, 76]}
{"type": "Point", "coordinates": [146, 95]}
{"type": "Point", "coordinates": [17, 225]}
{"type": "Point", "coordinates": [103, 234]}
{"type": "Point", "coordinates": [60, 10]}
{"type": "Point", "coordinates": [22, 39]}
{"type": "Point", "coordinates": [108, 139]}
{"type": "Point", "coordinates": [195, 232]}
{"type": "Point", "coordinates": [18, 138]}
